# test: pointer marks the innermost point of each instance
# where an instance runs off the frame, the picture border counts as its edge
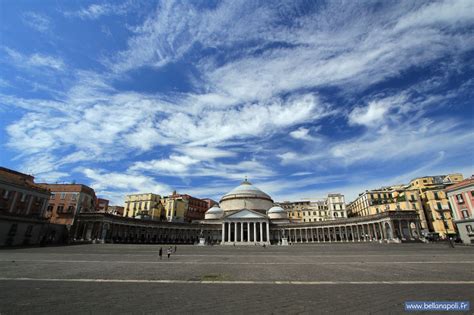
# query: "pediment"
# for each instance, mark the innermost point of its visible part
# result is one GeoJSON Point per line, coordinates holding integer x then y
{"type": "Point", "coordinates": [246, 214]}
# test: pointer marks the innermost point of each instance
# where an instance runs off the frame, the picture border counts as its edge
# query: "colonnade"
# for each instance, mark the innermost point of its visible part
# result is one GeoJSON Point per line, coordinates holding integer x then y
{"type": "Point", "coordinates": [101, 231]}
{"type": "Point", "coordinates": [386, 230]}
{"type": "Point", "coordinates": [245, 232]}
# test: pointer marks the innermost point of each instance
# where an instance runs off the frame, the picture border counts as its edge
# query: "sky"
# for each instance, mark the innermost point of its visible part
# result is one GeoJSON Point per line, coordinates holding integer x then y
{"type": "Point", "coordinates": [304, 97]}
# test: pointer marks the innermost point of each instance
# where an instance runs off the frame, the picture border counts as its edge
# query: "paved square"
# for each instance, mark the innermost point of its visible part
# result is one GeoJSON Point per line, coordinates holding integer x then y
{"type": "Point", "coordinates": [295, 279]}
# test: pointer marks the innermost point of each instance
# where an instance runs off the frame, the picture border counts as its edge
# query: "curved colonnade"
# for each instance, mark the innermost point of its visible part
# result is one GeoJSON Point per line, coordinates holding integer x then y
{"type": "Point", "coordinates": [106, 228]}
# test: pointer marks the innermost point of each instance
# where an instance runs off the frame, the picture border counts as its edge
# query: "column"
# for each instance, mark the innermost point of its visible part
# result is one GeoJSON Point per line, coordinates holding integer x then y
{"type": "Point", "coordinates": [241, 231]}
{"type": "Point", "coordinates": [254, 232]}
{"type": "Point", "coordinates": [347, 235]}
{"type": "Point", "coordinates": [352, 233]}
{"type": "Point", "coordinates": [268, 232]}
{"type": "Point", "coordinates": [223, 233]}
{"type": "Point", "coordinates": [261, 231]}
{"type": "Point", "coordinates": [375, 231]}
{"type": "Point", "coordinates": [312, 235]}
{"type": "Point", "coordinates": [317, 234]}
{"type": "Point", "coordinates": [358, 232]}
{"type": "Point", "coordinates": [417, 225]}
{"type": "Point", "coordinates": [30, 201]}
{"type": "Point", "coordinates": [382, 233]}
{"type": "Point", "coordinates": [15, 194]}
{"type": "Point", "coordinates": [235, 232]}
{"type": "Point", "coordinates": [329, 234]}
{"type": "Point", "coordinates": [410, 233]}
{"type": "Point", "coordinates": [228, 231]}
{"type": "Point", "coordinates": [400, 229]}
{"type": "Point", "coordinates": [248, 232]}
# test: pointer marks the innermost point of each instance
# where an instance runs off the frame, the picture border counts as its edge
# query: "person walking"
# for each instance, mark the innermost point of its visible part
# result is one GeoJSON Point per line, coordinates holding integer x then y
{"type": "Point", "coordinates": [169, 252]}
{"type": "Point", "coordinates": [160, 253]}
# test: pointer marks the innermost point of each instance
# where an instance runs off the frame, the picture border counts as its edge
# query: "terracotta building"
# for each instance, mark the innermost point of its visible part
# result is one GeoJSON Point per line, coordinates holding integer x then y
{"type": "Point", "coordinates": [68, 200]}
{"type": "Point", "coordinates": [23, 211]}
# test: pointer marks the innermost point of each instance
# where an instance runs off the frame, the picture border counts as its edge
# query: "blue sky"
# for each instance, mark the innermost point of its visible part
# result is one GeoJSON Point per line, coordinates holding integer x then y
{"type": "Point", "coordinates": [303, 97]}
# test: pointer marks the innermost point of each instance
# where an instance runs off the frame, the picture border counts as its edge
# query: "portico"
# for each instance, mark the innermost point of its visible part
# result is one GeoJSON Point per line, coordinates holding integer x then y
{"type": "Point", "coordinates": [245, 227]}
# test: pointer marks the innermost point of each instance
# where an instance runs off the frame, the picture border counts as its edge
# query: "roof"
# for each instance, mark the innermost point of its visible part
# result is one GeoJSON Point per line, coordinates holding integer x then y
{"type": "Point", "coordinates": [19, 179]}
{"type": "Point", "coordinates": [461, 184]}
{"type": "Point", "coordinates": [246, 189]}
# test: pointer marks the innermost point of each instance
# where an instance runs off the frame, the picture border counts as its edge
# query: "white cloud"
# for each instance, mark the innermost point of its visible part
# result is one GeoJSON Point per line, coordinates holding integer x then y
{"type": "Point", "coordinates": [300, 133]}
{"type": "Point", "coordinates": [35, 60]}
{"type": "Point", "coordinates": [95, 11]}
{"type": "Point", "coordinates": [102, 180]}
{"type": "Point", "coordinates": [37, 21]}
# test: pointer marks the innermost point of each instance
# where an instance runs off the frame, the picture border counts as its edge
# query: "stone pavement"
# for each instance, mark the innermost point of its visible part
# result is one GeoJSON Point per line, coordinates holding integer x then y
{"type": "Point", "coordinates": [336, 278]}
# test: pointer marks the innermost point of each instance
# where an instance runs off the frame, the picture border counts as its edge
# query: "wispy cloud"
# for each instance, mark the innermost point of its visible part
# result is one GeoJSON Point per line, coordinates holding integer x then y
{"type": "Point", "coordinates": [259, 77]}
{"type": "Point", "coordinates": [37, 21]}
{"type": "Point", "coordinates": [34, 60]}
{"type": "Point", "coordinates": [95, 11]}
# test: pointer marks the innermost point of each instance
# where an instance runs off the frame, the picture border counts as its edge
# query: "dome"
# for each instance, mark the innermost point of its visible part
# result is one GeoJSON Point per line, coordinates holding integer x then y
{"type": "Point", "coordinates": [214, 213]}
{"type": "Point", "coordinates": [246, 196]}
{"type": "Point", "coordinates": [246, 189]}
{"type": "Point", "coordinates": [276, 209]}
{"type": "Point", "coordinates": [277, 212]}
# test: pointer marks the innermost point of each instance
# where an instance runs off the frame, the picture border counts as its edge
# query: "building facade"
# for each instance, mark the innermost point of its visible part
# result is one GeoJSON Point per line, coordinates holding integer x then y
{"type": "Point", "coordinates": [393, 198]}
{"type": "Point", "coordinates": [461, 201]}
{"type": "Point", "coordinates": [68, 200]}
{"type": "Point", "coordinates": [102, 205]}
{"type": "Point", "coordinates": [250, 225]}
{"type": "Point", "coordinates": [185, 208]}
{"type": "Point", "coordinates": [23, 204]}
{"type": "Point", "coordinates": [330, 208]}
{"type": "Point", "coordinates": [146, 205]}
{"type": "Point", "coordinates": [116, 210]}
{"type": "Point", "coordinates": [435, 202]}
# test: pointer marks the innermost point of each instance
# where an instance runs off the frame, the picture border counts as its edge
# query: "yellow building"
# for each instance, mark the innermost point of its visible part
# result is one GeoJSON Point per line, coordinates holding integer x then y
{"type": "Point", "coordinates": [175, 208]}
{"type": "Point", "coordinates": [393, 198]}
{"type": "Point", "coordinates": [325, 209]}
{"type": "Point", "coordinates": [144, 205]}
{"type": "Point", "coordinates": [435, 202]}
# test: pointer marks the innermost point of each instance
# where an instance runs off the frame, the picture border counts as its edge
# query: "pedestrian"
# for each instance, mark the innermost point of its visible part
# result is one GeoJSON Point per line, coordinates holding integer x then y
{"type": "Point", "coordinates": [175, 248]}
{"type": "Point", "coordinates": [169, 252]}
{"type": "Point", "coordinates": [160, 253]}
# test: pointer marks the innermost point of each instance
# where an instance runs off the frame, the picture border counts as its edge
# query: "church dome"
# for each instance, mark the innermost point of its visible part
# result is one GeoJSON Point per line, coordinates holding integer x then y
{"type": "Point", "coordinates": [246, 196]}
{"type": "Point", "coordinates": [214, 213]}
{"type": "Point", "coordinates": [277, 212]}
{"type": "Point", "coordinates": [276, 209]}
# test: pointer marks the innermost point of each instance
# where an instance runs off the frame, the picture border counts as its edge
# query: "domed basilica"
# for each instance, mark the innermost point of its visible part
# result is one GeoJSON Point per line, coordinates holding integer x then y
{"type": "Point", "coordinates": [245, 214]}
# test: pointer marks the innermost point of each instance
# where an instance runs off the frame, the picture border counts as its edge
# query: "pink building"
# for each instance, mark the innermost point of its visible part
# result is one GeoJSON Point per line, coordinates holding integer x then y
{"type": "Point", "coordinates": [461, 200]}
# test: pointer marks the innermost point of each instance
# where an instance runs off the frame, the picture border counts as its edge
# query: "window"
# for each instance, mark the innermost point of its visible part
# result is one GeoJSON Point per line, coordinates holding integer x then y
{"type": "Point", "coordinates": [436, 197]}
{"type": "Point", "coordinates": [439, 205]}
{"type": "Point", "coordinates": [53, 196]}
{"type": "Point", "coordinates": [23, 197]}
{"type": "Point", "coordinates": [472, 193]}
{"type": "Point", "coordinates": [63, 196]}
{"type": "Point", "coordinates": [460, 198]}
{"type": "Point", "coordinates": [74, 196]}
{"type": "Point", "coordinates": [469, 228]}
{"type": "Point", "coordinates": [465, 214]}
{"type": "Point", "coordinates": [60, 209]}
{"type": "Point", "coordinates": [50, 208]}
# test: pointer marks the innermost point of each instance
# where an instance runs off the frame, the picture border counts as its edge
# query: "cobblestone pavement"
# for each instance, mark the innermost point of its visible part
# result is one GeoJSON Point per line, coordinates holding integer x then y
{"type": "Point", "coordinates": [309, 278]}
